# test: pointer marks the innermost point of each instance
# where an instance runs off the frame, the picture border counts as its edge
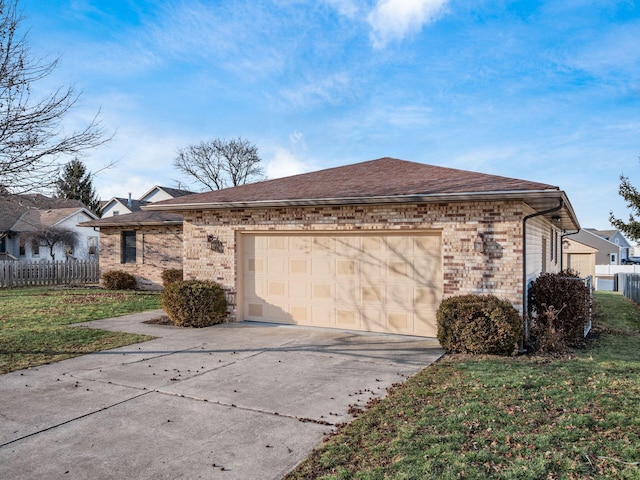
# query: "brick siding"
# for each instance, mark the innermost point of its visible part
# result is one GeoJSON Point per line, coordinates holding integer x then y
{"type": "Point", "coordinates": [158, 248]}
{"type": "Point", "coordinates": [495, 269]}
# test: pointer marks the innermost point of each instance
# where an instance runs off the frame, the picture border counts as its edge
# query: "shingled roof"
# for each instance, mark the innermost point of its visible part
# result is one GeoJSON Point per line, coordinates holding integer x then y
{"type": "Point", "coordinates": [136, 219]}
{"type": "Point", "coordinates": [13, 207]}
{"type": "Point", "coordinates": [385, 177]}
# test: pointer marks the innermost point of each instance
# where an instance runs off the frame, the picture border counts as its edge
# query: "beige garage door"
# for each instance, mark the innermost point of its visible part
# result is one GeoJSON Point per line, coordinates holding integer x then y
{"type": "Point", "coordinates": [382, 283]}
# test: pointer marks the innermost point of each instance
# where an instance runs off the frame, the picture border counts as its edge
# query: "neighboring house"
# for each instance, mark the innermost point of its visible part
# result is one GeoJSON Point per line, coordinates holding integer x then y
{"type": "Point", "coordinates": [579, 257]}
{"type": "Point", "coordinates": [608, 253]}
{"type": "Point", "coordinates": [20, 215]}
{"type": "Point", "coordinates": [123, 206]}
{"type": "Point", "coordinates": [373, 246]}
{"type": "Point", "coordinates": [614, 236]}
{"type": "Point", "coordinates": [141, 243]}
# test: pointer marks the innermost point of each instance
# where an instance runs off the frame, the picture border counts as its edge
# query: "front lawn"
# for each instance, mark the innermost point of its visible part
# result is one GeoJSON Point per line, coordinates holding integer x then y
{"type": "Point", "coordinates": [570, 417]}
{"type": "Point", "coordinates": [34, 323]}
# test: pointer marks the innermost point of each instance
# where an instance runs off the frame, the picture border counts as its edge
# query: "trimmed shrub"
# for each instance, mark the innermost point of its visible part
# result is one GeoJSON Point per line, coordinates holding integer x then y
{"type": "Point", "coordinates": [479, 324]}
{"type": "Point", "coordinates": [119, 280]}
{"type": "Point", "coordinates": [194, 303]}
{"type": "Point", "coordinates": [171, 275]}
{"type": "Point", "coordinates": [571, 302]}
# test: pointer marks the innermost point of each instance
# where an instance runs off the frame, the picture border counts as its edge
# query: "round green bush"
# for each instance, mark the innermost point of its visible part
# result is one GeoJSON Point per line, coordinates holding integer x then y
{"type": "Point", "coordinates": [194, 303]}
{"type": "Point", "coordinates": [171, 275]}
{"type": "Point", "coordinates": [479, 324]}
{"type": "Point", "coordinates": [119, 280]}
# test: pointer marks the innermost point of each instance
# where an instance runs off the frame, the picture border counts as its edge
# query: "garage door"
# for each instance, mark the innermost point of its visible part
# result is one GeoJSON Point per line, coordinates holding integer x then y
{"type": "Point", "coordinates": [382, 283]}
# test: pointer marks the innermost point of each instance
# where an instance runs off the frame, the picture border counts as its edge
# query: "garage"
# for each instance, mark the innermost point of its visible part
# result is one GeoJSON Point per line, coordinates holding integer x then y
{"type": "Point", "coordinates": [379, 282]}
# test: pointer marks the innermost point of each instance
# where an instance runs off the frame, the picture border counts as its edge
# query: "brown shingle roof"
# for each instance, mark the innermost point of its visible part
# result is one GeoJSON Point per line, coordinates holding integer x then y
{"type": "Point", "coordinates": [385, 177]}
{"type": "Point", "coordinates": [136, 219]}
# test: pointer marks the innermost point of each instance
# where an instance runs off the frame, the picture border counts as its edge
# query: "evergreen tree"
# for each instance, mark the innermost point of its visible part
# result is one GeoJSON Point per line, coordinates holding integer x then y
{"type": "Point", "coordinates": [77, 184]}
{"type": "Point", "coordinates": [630, 228]}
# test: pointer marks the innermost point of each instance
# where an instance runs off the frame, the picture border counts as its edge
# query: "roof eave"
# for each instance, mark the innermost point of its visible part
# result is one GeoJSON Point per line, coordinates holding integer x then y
{"type": "Point", "coordinates": [531, 197]}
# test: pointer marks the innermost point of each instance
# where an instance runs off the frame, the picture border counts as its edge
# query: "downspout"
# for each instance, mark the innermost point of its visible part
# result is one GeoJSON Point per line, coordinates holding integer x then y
{"type": "Point", "coordinates": [525, 314]}
{"type": "Point", "coordinates": [566, 234]}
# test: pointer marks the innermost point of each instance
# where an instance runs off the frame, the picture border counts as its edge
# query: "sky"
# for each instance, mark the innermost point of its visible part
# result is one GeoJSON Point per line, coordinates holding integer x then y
{"type": "Point", "coordinates": [547, 91]}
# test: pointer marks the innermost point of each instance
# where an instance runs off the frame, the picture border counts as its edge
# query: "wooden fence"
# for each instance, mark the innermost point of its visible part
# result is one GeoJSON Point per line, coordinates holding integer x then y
{"type": "Point", "coordinates": [31, 274]}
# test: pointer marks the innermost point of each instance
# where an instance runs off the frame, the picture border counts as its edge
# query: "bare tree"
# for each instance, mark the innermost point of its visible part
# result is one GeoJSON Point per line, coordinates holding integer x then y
{"type": "Point", "coordinates": [32, 139]}
{"type": "Point", "coordinates": [220, 163]}
{"type": "Point", "coordinates": [52, 236]}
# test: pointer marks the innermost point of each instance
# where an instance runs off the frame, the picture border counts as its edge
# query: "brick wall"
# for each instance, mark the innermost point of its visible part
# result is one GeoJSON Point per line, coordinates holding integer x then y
{"type": "Point", "coordinates": [496, 268]}
{"type": "Point", "coordinates": [157, 248]}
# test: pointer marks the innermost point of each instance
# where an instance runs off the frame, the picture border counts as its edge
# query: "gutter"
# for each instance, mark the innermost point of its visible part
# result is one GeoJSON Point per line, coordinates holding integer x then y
{"type": "Point", "coordinates": [412, 198]}
{"type": "Point", "coordinates": [525, 313]}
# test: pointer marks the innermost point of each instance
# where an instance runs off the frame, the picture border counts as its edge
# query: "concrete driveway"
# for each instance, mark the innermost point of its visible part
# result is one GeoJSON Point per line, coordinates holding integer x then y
{"type": "Point", "coordinates": [234, 401]}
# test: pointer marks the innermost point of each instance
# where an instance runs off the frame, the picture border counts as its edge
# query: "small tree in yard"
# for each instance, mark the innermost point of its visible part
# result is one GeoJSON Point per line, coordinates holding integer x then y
{"type": "Point", "coordinates": [220, 163]}
{"type": "Point", "coordinates": [52, 236]}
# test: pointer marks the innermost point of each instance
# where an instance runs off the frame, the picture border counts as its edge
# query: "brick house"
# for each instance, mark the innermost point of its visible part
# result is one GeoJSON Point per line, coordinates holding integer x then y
{"type": "Point", "coordinates": [141, 243]}
{"type": "Point", "coordinates": [373, 246]}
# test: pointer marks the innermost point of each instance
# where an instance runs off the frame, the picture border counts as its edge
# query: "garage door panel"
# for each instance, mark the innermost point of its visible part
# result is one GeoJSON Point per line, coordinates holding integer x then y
{"type": "Point", "coordinates": [382, 282]}
{"type": "Point", "coordinates": [324, 266]}
{"type": "Point", "coordinates": [323, 315]}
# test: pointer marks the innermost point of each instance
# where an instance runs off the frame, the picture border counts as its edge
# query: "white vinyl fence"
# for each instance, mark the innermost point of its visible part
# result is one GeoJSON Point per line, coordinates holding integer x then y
{"type": "Point", "coordinates": [31, 274]}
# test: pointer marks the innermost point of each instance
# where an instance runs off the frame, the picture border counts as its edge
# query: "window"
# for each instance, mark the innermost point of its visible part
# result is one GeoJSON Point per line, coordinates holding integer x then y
{"type": "Point", "coordinates": [92, 245]}
{"type": "Point", "coordinates": [22, 248]}
{"type": "Point", "coordinates": [68, 250]}
{"type": "Point", "coordinates": [116, 212]}
{"type": "Point", "coordinates": [35, 248]}
{"type": "Point", "coordinates": [128, 247]}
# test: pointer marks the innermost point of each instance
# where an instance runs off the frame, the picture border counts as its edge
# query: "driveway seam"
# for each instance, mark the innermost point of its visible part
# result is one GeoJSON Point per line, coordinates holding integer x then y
{"type": "Point", "coordinates": [66, 422]}
{"type": "Point", "coordinates": [248, 409]}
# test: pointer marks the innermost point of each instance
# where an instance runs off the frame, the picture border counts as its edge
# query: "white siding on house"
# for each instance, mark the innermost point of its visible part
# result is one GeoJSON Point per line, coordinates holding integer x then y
{"type": "Point", "coordinates": [543, 248]}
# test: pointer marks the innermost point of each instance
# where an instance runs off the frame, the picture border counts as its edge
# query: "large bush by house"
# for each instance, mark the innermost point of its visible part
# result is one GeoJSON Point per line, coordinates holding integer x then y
{"type": "Point", "coordinates": [171, 275]}
{"type": "Point", "coordinates": [194, 303]}
{"type": "Point", "coordinates": [119, 280]}
{"type": "Point", "coordinates": [561, 305]}
{"type": "Point", "coordinates": [479, 324]}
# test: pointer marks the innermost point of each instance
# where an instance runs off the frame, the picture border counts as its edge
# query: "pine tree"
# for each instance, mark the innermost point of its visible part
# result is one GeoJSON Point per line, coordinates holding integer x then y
{"type": "Point", "coordinates": [630, 228]}
{"type": "Point", "coordinates": [77, 184]}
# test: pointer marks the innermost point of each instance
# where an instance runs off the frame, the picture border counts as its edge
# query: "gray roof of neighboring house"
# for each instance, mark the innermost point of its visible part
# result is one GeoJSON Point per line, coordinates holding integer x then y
{"type": "Point", "coordinates": [609, 234]}
{"type": "Point", "coordinates": [176, 192]}
{"type": "Point", "coordinates": [24, 211]}
{"type": "Point", "coordinates": [135, 204]}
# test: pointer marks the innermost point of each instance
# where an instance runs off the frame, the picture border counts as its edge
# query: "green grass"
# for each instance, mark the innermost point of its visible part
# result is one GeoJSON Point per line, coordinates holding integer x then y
{"type": "Point", "coordinates": [571, 417]}
{"type": "Point", "coordinates": [34, 323]}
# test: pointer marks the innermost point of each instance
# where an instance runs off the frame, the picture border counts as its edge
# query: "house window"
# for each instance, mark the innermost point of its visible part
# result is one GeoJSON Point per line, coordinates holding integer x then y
{"type": "Point", "coordinates": [68, 250]}
{"type": "Point", "coordinates": [128, 246]}
{"type": "Point", "coordinates": [544, 254]}
{"type": "Point", "coordinates": [35, 248]}
{"type": "Point", "coordinates": [22, 248]}
{"type": "Point", "coordinates": [116, 212]}
{"type": "Point", "coordinates": [92, 245]}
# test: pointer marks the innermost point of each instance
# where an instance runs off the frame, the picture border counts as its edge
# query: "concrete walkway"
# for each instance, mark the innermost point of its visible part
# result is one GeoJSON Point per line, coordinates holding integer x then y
{"type": "Point", "coordinates": [235, 401]}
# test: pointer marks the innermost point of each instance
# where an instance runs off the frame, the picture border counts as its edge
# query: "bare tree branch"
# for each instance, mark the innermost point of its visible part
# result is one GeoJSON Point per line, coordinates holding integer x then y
{"type": "Point", "coordinates": [220, 163]}
{"type": "Point", "coordinates": [32, 140]}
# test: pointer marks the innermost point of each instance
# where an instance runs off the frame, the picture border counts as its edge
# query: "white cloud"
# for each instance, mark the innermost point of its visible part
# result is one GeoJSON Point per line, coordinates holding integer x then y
{"type": "Point", "coordinates": [348, 8]}
{"type": "Point", "coordinates": [332, 89]}
{"type": "Point", "coordinates": [395, 19]}
{"type": "Point", "coordinates": [284, 164]}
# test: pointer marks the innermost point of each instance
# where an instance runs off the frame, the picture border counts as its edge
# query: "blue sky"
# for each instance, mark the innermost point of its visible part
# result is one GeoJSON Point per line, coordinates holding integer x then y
{"type": "Point", "coordinates": [541, 90]}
